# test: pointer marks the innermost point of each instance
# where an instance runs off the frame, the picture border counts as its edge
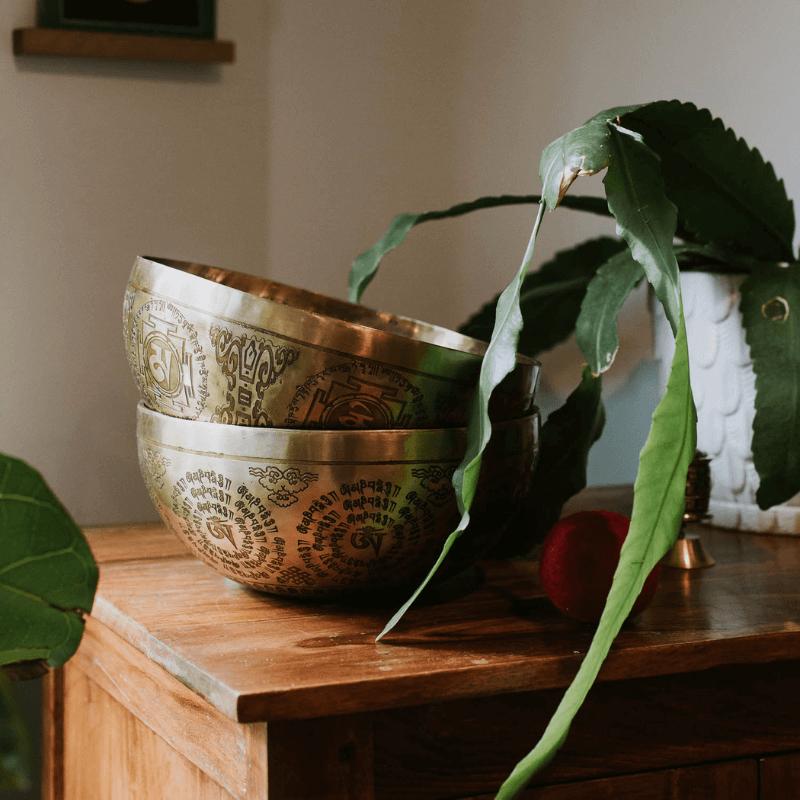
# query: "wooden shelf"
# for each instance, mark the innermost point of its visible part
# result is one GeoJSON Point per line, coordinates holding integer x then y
{"type": "Point", "coordinates": [131, 47]}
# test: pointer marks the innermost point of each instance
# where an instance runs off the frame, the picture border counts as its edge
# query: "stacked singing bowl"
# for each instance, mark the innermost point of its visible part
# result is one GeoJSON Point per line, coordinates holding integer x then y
{"type": "Point", "coordinates": [303, 445]}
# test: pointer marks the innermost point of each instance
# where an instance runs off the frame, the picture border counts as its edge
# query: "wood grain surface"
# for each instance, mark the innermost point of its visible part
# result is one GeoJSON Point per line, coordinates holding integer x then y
{"type": "Point", "coordinates": [468, 747]}
{"type": "Point", "coordinates": [735, 780]}
{"type": "Point", "coordinates": [237, 758]}
{"type": "Point", "coordinates": [109, 754]}
{"type": "Point", "coordinates": [780, 776]}
{"type": "Point", "coordinates": [256, 657]}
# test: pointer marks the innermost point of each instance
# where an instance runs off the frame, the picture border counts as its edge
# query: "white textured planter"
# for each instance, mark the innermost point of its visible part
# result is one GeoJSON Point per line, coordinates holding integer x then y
{"type": "Point", "coordinates": [723, 383]}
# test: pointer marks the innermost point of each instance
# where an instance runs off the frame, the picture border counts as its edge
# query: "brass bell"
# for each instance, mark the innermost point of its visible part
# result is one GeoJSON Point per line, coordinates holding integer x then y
{"type": "Point", "coordinates": [688, 552]}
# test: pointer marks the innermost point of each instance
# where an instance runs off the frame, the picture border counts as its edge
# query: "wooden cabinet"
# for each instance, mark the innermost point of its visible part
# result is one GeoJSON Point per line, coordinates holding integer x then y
{"type": "Point", "coordinates": [188, 686]}
{"type": "Point", "coordinates": [780, 776]}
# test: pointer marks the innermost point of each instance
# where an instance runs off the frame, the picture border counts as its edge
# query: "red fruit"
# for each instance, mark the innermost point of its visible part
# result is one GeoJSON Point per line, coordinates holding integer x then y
{"type": "Point", "coordinates": [579, 556]}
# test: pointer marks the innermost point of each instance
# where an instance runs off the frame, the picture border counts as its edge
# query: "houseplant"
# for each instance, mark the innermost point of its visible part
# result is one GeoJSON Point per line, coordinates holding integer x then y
{"type": "Point", "coordinates": [685, 193]}
{"type": "Point", "coordinates": [47, 583]}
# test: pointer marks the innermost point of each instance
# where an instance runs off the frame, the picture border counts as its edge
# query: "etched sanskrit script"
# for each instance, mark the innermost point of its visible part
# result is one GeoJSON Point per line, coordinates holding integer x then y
{"type": "Point", "coordinates": [251, 365]}
{"type": "Point", "coordinates": [229, 526]}
{"type": "Point", "coordinates": [369, 532]}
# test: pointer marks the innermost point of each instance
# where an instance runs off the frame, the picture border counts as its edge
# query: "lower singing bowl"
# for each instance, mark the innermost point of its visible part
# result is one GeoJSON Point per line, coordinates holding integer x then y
{"type": "Point", "coordinates": [317, 513]}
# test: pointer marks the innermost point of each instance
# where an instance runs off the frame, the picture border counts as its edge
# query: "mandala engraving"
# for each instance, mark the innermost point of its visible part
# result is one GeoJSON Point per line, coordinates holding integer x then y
{"type": "Point", "coordinates": [228, 525]}
{"type": "Point", "coordinates": [167, 359]}
{"type": "Point", "coordinates": [284, 485]}
{"type": "Point", "coordinates": [370, 532]}
{"type": "Point", "coordinates": [251, 365]}
{"type": "Point", "coordinates": [357, 394]}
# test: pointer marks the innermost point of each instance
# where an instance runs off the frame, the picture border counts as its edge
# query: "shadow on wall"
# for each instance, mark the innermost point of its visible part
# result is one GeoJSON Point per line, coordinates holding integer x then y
{"type": "Point", "coordinates": [615, 458]}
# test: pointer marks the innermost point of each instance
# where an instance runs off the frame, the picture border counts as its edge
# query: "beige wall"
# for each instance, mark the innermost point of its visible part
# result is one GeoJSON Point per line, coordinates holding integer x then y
{"type": "Point", "coordinates": [335, 116]}
{"type": "Point", "coordinates": [384, 107]}
{"type": "Point", "coordinates": [101, 161]}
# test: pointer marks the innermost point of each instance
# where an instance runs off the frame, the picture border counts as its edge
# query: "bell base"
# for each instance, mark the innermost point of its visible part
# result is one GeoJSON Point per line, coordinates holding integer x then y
{"type": "Point", "coordinates": [688, 552]}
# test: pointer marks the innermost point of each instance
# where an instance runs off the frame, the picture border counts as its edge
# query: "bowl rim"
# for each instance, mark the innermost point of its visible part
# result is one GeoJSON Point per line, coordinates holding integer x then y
{"type": "Point", "coordinates": [175, 279]}
{"type": "Point", "coordinates": [320, 446]}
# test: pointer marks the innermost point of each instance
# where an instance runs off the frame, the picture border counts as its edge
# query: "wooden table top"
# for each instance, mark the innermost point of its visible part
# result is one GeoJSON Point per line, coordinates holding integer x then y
{"type": "Point", "coordinates": [256, 657]}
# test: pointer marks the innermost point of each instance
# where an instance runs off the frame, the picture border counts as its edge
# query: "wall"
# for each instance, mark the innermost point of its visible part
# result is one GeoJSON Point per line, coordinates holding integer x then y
{"type": "Point", "coordinates": [98, 162]}
{"type": "Point", "coordinates": [377, 108]}
{"type": "Point", "coordinates": [101, 161]}
{"type": "Point", "coordinates": [288, 163]}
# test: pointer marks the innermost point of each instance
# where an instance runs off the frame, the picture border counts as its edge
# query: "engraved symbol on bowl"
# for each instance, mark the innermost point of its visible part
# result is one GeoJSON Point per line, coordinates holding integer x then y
{"type": "Point", "coordinates": [227, 525]}
{"type": "Point", "coordinates": [168, 360]}
{"type": "Point", "coordinates": [368, 536]}
{"type": "Point", "coordinates": [221, 529]}
{"type": "Point", "coordinates": [251, 365]}
{"type": "Point", "coordinates": [154, 467]}
{"type": "Point", "coordinates": [368, 532]}
{"type": "Point", "coordinates": [357, 394]}
{"type": "Point", "coordinates": [357, 411]}
{"type": "Point", "coordinates": [438, 481]}
{"type": "Point", "coordinates": [163, 362]}
{"type": "Point", "coordinates": [284, 486]}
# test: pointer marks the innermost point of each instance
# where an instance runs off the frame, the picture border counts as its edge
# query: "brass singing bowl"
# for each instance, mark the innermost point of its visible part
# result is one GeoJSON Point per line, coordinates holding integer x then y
{"type": "Point", "coordinates": [317, 513]}
{"type": "Point", "coordinates": [215, 345]}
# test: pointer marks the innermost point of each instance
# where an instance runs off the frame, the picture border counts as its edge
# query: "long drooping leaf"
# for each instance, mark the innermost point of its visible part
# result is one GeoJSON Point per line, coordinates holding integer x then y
{"type": "Point", "coordinates": [498, 361]}
{"type": "Point", "coordinates": [646, 219]}
{"type": "Point", "coordinates": [47, 573]}
{"type": "Point", "coordinates": [596, 327]}
{"type": "Point", "coordinates": [366, 265]}
{"type": "Point", "coordinates": [14, 742]}
{"type": "Point", "coordinates": [655, 522]}
{"type": "Point", "coordinates": [551, 297]}
{"type": "Point", "coordinates": [582, 151]}
{"type": "Point", "coordinates": [771, 315]}
{"type": "Point", "coordinates": [566, 439]}
{"type": "Point", "coordinates": [724, 190]}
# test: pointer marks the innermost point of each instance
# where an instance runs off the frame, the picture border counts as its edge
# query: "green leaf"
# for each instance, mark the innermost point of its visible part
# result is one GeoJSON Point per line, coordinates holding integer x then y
{"type": "Point", "coordinates": [771, 314]}
{"type": "Point", "coordinates": [582, 151]}
{"type": "Point", "coordinates": [15, 767]}
{"type": "Point", "coordinates": [366, 265]}
{"type": "Point", "coordinates": [655, 522]}
{"type": "Point", "coordinates": [498, 361]}
{"type": "Point", "coordinates": [551, 297]}
{"type": "Point", "coordinates": [566, 439]}
{"type": "Point", "coordinates": [646, 219]}
{"type": "Point", "coordinates": [596, 328]}
{"type": "Point", "coordinates": [724, 190]}
{"type": "Point", "coordinates": [47, 573]}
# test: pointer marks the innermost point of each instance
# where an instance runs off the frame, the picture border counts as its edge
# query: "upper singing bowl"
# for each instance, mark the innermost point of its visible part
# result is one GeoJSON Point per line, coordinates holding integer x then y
{"type": "Point", "coordinates": [219, 346]}
{"type": "Point", "coordinates": [318, 513]}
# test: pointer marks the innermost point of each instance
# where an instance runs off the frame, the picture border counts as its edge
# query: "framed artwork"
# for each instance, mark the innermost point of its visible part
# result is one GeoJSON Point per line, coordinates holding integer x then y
{"type": "Point", "coordinates": [163, 17]}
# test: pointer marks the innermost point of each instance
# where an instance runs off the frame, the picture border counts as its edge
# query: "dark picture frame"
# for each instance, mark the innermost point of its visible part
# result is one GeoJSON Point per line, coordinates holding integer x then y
{"type": "Point", "coordinates": [192, 18]}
